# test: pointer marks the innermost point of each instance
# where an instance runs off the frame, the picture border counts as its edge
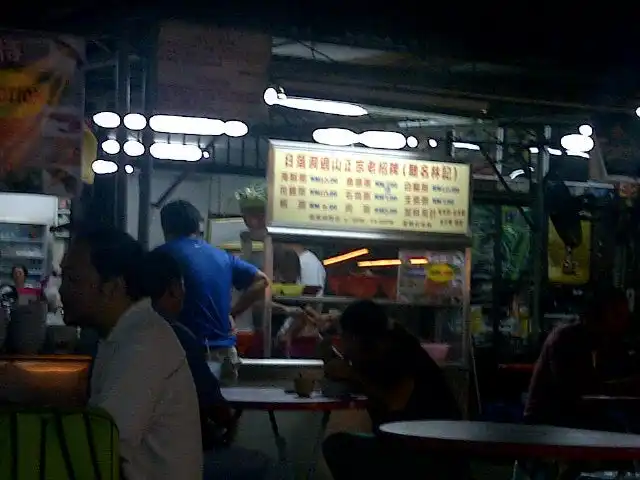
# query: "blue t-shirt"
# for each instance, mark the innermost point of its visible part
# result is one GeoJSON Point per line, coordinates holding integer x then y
{"type": "Point", "coordinates": [209, 275]}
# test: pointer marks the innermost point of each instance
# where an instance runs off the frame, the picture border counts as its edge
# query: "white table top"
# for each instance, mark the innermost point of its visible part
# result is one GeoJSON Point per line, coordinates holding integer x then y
{"type": "Point", "coordinates": [517, 441]}
{"type": "Point", "coordinates": [269, 398]}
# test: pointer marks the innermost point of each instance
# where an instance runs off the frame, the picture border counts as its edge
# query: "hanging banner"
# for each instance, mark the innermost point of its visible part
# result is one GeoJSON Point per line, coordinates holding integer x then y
{"type": "Point", "coordinates": [313, 186]}
{"type": "Point", "coordinates": [41, 113]}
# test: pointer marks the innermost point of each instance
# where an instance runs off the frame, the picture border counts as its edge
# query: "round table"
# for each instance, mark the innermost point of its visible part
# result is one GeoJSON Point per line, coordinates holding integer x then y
{"type": "Point", "coordinates": [517, 441]}
{"type": "Point", "coordinates": [277, 399]}
{"type": "Point", "coordinates": [622, 400]}
{"type": "Point", "coordinates": [270, 399]}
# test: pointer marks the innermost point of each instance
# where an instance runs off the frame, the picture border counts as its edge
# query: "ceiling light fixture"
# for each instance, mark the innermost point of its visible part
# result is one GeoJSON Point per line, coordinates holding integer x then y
{"type": "Point", "coordinates": [187, 125]}
{"type": "Point", "coordinates": [342, 137]}
{"type": "Point", "coordinates": [412, 142]}
{"type": "Point", "coordinates": [133, 148]}
{"type": "Point", "coordinates": [107, 119]}
{"type": "Point", "coordinates": [577, 143]}
{"type": "Point", "coordinates": [466, 146]}
{"type": "Point", "coordinates": [128, 169]}
{"type": "Point", "coordinates": [235, 128]}
{"type": "Point", "coordinates": [433, 143]}
{"type": "Point", "coordinates": [110, 147]}
{"type": "Point", "coordinates": [336, 137]}
{"type": "Point", "coordinates": [134, 121]}
{"type": "Point", "coordinates": [103, 167]}
{"type": "Point", "coordinates": [272, 97]}
{"type": "Point", "coordinates": [176, 151]}
{"type": "Point", "coordinates": [586, 130]}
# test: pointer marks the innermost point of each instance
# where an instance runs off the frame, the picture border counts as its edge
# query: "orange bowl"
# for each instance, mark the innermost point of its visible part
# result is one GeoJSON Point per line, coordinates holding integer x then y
{"type": "Point", "coordinates": [390, 287]}
{"type": "Point", "coordinates": [362, 286]}
{"type": "Point", "coordinates": [337, 284]}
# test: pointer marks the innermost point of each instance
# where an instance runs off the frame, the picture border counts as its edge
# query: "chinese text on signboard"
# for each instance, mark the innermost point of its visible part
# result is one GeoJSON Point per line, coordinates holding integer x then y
{"type": "Point", "coordinates": [369, 191]}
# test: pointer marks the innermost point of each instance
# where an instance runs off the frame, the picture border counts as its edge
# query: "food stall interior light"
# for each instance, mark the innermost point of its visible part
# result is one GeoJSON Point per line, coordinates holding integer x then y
{"type": "Point", "coordinates": [345, 256]}
{"type": "Point", "coordinates": [586, 130]}
{"type": "Point", "coordinates": [337, 137]}
{"type": "Point", "coordinates": [235, 128]}
{"type": "Point", "coordinates": [134, 121]}
{"type": "Point", "coordinates": [111, 147]}
{"type": "Point", "coordinates": [102, 167]}
{"type": "Point", "coordinates": [176, 151]}
{"type": "Point", "coordinates": [271, 97]}
{"type": "Point", "coordinates": [418, 261]}
{"type": "Point", "coordinates": [466, 146]}
{"type": "Point", "coordinates": [106, 119]}
{"type": "Point", "coordinates": [554, 151]}
{"type": "Point", "coordinates": [186, 125]}
{"type": "Point", "coordinates": [382, 139]}
{"type": "Point", "coordinates": [577, 143]}
{"type": "Point", "coordinates": [533, 150]}
{"type": "Point", "coordinates": [380, 263]}
{"type": "Point", "coordinates": [412, 142]}
{"type": "Point", "coordinates": [128, 169]}
{"type": "Point", "coordinates": [433, 143]}
{"type": "Point", "coordinates": [133, 148]}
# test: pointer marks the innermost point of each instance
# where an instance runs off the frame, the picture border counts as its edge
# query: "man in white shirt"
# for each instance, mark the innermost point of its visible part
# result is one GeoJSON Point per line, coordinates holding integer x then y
{"type": "Point", "coordinates": [140, 376]}
{"type": "Point", "coordinates": [312, 272]}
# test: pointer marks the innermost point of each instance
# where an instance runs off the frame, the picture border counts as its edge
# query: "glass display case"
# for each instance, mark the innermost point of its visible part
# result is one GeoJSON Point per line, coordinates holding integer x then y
{"type": "Point", "coordinates": [388, 226]}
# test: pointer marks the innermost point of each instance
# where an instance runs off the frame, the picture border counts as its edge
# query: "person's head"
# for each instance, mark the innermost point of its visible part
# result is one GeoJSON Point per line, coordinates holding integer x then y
{"type": "Point", "coordinates": [180, 219]}
{"type": "Point", "coordinates": [163, 283]}
{"type": "Point", "coordinates": [101, 278]}
{"type": "Point", "coordinates": [19, 274]}
{"type": "Point", "coordinates": [608, 313]}
{"type": "Point", "coordinates": [365, 329]}
{"type": "Point", "coordinates": [286, 265]}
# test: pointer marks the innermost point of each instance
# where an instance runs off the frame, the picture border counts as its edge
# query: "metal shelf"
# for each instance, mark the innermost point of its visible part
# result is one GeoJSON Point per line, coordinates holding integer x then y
{"type": "Point", "coordinates": [334, 300]}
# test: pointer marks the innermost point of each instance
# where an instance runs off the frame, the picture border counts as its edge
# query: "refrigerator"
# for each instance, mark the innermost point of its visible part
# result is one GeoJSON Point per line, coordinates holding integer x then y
{"type": "Point", "coordinates": [25, 238]}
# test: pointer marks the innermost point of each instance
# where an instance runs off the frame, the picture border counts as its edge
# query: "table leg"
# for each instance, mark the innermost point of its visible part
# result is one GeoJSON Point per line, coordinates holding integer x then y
{"type": "Point", "coordinates": [281, 445]}
{"type": "Point", "coordinates": [318, 444]}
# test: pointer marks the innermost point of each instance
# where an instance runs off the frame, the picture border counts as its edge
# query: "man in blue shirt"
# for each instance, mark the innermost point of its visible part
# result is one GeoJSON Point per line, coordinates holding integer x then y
{"type": "Point", "coordinates": [209, 275]}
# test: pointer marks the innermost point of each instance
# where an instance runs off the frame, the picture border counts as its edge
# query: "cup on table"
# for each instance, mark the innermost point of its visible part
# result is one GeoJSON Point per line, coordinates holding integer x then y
{"type": "Point", "coordinates": [303, 386]}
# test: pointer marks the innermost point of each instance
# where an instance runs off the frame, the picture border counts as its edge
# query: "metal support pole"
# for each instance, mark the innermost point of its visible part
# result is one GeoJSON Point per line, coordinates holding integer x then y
{"type": "Point", "coordinates": [539, 250]}
{"type": "Point", "coordinates": [496, 310]}
{"type": "Point", "coordinates": [146, 161]}
{"type": "Point", "coordinates": [123, 106]}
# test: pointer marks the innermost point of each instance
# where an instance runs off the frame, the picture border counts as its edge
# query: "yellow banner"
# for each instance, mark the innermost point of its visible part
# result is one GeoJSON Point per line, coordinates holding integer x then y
{"type": "Point", "coordinates": [41, 114]}
{"type": "Point", "coordinates": [366, 189]}
{"type": "Point", "coordinates": [569, 269]}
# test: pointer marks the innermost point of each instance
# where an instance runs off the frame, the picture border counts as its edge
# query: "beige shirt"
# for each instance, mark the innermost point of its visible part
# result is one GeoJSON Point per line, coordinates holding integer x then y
{"type": "Point", "coordinates": [141, 377]}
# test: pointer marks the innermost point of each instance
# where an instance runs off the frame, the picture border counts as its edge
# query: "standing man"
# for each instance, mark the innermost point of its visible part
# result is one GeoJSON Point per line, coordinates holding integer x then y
{"type": "Point", "coordinates": [312, 272]}
{"type": "Point", "coordinates": [209, 276]}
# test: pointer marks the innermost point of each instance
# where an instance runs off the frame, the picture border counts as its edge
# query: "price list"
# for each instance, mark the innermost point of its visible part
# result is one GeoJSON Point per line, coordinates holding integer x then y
{"type": "Point", "coordinates": [368, 191]}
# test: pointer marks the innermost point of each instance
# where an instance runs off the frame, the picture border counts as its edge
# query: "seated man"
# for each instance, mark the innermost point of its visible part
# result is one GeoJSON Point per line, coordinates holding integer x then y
{"type": "Point", "coordinates": [579, 359]}
{"type": "Point", "coordinates": [140, 375]}
{"type": "Point", "coordinates": [402, 382]}
{"type": "Point", "coordinates": [218, 423]}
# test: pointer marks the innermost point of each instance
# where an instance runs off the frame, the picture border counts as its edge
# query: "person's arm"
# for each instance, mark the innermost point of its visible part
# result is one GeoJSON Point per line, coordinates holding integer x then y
{"type": "Point", "coordinates": [250, 281]}
{"type": "Point", "coordinates": [394, 398]}
{"type": "Point", "coordinates": [130, 389]}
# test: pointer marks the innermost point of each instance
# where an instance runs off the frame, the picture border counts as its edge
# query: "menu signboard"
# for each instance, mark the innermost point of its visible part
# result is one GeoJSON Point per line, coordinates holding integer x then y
{"type": "Point", "coordinates": [356, 188]}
